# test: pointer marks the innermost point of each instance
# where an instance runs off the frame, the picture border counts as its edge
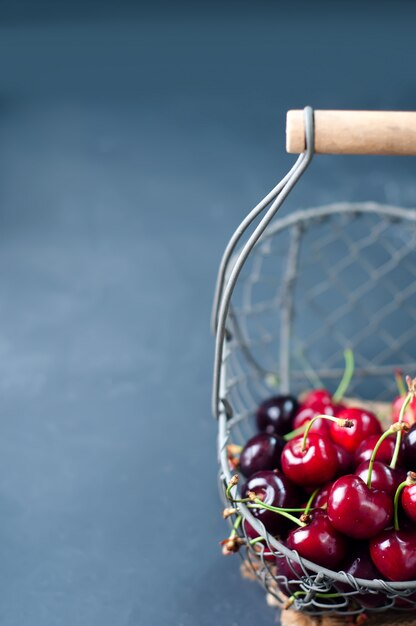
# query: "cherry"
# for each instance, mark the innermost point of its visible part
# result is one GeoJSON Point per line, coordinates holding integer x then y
{"type": "Point", "coordinates": [409, 449]}
{"type": "Point", "coordinates": [290, 570]}
{"type": "Point", "coordinates": [317, 398]}
{"type": "Point", "coordinates": [382, 477]}
{"type": "Point", "coordinates": [365, 424]}
{"type": "Point", "coordinates": [366, 447]}
{"type": "Point", "coordinates": [274, 489]}
{"type": "Point", "coordinates": [393, 552]}
{"type": "Point", "coordinates": [276, 414]}
{"type": "Point", "coordinates": [313, 466]}
{"type": "Point", "coordinates": [319, 541]}
{"type": "Point", "coordinates": [409, 501]}
{"type": "Point", "coordinates": [261, 547]}
{"type": "Point", "coordinates": [360, 565]}
{"type": "Point", "coordinates": [306, 414]}
{"type": "Point", "coordinates": [261, 452]}
{"type": "Point", "coordinates": [356, 510]}
{"type": "Point", "coordinates": [409, 416]}
{"type": "Point", "coordinates": [321, 498]}
{"type": "Point", "coordinates": [345, 460]}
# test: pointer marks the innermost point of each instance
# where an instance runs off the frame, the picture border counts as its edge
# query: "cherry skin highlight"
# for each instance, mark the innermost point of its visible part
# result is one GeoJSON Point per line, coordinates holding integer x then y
{"type": "Point", "coordinates": [319, 541]}
{"type": "Point", "coordinates": [312, 467]}
{"type": "Point", "coordinates": [356, 510]}
{"type": "Point", "coordinates": [393, 552]}
{"type": "Point", "coordinates": [261, 452]}
{"type": "Point", "coordinates": [365, 424]}
{"type": "Point", "coordinates": [276, 414]}
{"type": "Point", "coordinates": [274, 489]}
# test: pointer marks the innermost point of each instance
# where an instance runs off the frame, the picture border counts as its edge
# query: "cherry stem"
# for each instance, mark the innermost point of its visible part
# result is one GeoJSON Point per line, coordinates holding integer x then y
{"type": "Point", "coordinates": [410, 480]}
{"type": "Point", "coordinates": [233, 482]}
{"type": "Point", "coordinates": [236, 526]}
{"type": "Point", "coordinates": [405, 404]}
{"type": "Point", "coordinates": [339, 422]}
{"type": "Point", "coordinates": [384, 436]}
{"type": "Point", "coordinates": [256, 504]}
{"type": "Point", "coordinates": [399, 382]}
{"type": "Point", "coordinates": [347, 376]}
{"type": "Point", "coordinates": [309, 502]}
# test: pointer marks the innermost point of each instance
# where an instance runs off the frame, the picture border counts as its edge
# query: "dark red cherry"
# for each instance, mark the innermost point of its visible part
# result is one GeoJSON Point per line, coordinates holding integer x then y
{"type": "Point", "coordinates": [261, 547]}
{"type": "Point", "coordinates": [321, 498]}
{"type": "Point", "coordinates": [359, 564]}
{"type": "Point", "coordinates": [261, 452]}
{"type": "Point", "coordinates": [345, 460]}
{"type": "Point", "coordinates": [409, 501]}
{"type": "Point", "coordinates": [366, 447]}
{"type": "Point", "coordinates": [305, 415]}
{"type": "Point", "coordinates": [365, 424]}
{"type": "Point", "coordinates": [382, 477]}
{"type": "Point", "coordinates": [409, 415]}
{"type": "Point", "coordinates": [277, 490]}
{"type": "Point", "coordinates": [312, 467]}
{"type": "Point", "coordinates": [409, 449]}
{"type": "Point", "coordinates": [319, 541]}
{"type": "Point", "coordinates": [292, 571]}
{"type": "Point", "coordinates": [393, 552]}
{"type": "Point", "coordinates": [317, 398]}
{"type": "Point", "coordinates": [276, 414]}
{"type": "Point", "coordinates": [356, 510]}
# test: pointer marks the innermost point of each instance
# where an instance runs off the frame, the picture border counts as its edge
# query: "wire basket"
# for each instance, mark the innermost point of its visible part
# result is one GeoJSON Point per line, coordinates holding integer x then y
{"type": "Point", "coordinates": [288, 302]}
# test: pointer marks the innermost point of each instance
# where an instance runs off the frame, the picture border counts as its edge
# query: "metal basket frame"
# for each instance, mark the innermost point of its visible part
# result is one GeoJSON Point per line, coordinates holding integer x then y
{"type": "Point", "coordinates": [317, 580]}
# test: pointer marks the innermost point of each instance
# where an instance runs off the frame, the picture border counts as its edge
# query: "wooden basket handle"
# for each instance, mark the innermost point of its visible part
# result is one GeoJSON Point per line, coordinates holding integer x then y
{"type": "Point", "coordinates": [355, 132]}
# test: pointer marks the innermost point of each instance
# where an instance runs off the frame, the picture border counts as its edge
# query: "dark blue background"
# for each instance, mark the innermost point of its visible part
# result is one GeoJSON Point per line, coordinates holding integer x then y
{"type": "Point", "coordinates": [132, 141]}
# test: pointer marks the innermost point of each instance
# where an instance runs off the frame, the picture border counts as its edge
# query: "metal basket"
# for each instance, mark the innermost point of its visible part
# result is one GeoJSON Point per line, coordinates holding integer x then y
{"type": "Point", "coordinates": [287, 304]}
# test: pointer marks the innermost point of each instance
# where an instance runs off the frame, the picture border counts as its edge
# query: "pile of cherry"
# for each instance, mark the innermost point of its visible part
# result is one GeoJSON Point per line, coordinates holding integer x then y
{"type": "Point", "coordinates": [326, 481]}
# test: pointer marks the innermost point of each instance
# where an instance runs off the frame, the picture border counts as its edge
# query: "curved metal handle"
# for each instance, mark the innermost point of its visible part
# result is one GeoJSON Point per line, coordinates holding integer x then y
{"type": "Point", "coordinates": [225, 287]}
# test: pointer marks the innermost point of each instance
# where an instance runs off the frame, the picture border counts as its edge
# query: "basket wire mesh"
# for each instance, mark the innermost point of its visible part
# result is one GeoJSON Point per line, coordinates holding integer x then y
{"type": "Point", "coordinates": [287, 304]}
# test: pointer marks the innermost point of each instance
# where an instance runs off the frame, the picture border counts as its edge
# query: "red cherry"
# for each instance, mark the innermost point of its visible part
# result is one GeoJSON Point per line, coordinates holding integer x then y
{"type": "Point", "coordinates": [319, 541]}
{"type": "Point", "coordinates": [261, 547]}
{"type": "Point", "coordinates": [382, 477]}
{"type": "Point", "coordinates": [409, 501]}
{"type": "Point", "coordinates": [305, 415]}
{"type": "Point", "coordinates": [365, 424]}
{"type": "Point", "coordinates": [312, 467]}
{"type": "Point", "coordinates": [356, 510]}
{"type": "Point", "coordinates": [366, 447]}
{"type": "Point", "coordinates": [393, 552]}
{"type": "Point", "coordinates": [292, 571]}
{"type": "Point", "coordinates": [321, 498]}
{"type": "Point", "coordinates": [409, 415]}
{"type": "Point", "coordinates": [360, 565]}
{"type": "Point", "coordinates": [317, 397]}
{"type": "Point", "coordinates": [345, 460]}
{"type": "Point", "coordinates": [277, 490]}
{"type": "Point", "coordinates": [261, 452]}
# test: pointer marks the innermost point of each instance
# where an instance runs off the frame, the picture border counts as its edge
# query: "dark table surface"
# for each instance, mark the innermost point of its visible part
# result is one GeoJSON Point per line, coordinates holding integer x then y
{"type": "Point", "coordinates": [133, 140]}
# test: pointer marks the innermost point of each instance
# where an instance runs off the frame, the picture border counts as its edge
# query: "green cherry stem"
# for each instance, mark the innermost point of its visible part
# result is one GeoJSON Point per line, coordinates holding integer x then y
{"type": "Point", "coordinates": [295, 433]}
{"type": "Point", "coordinates": [384, 436]}
{"type": "Point", "coordinates": [346, 378]}
{"type": "Point", "coordinates": [405, 404]}
{"type": "Point", "coordinates": [309, 502]}
{"type": "Point", "coordinates": [258, 504]}
{"type": "Point", "coordinates": [410, 480]}
{"type": "Point", "coordinates": [339, 422]}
